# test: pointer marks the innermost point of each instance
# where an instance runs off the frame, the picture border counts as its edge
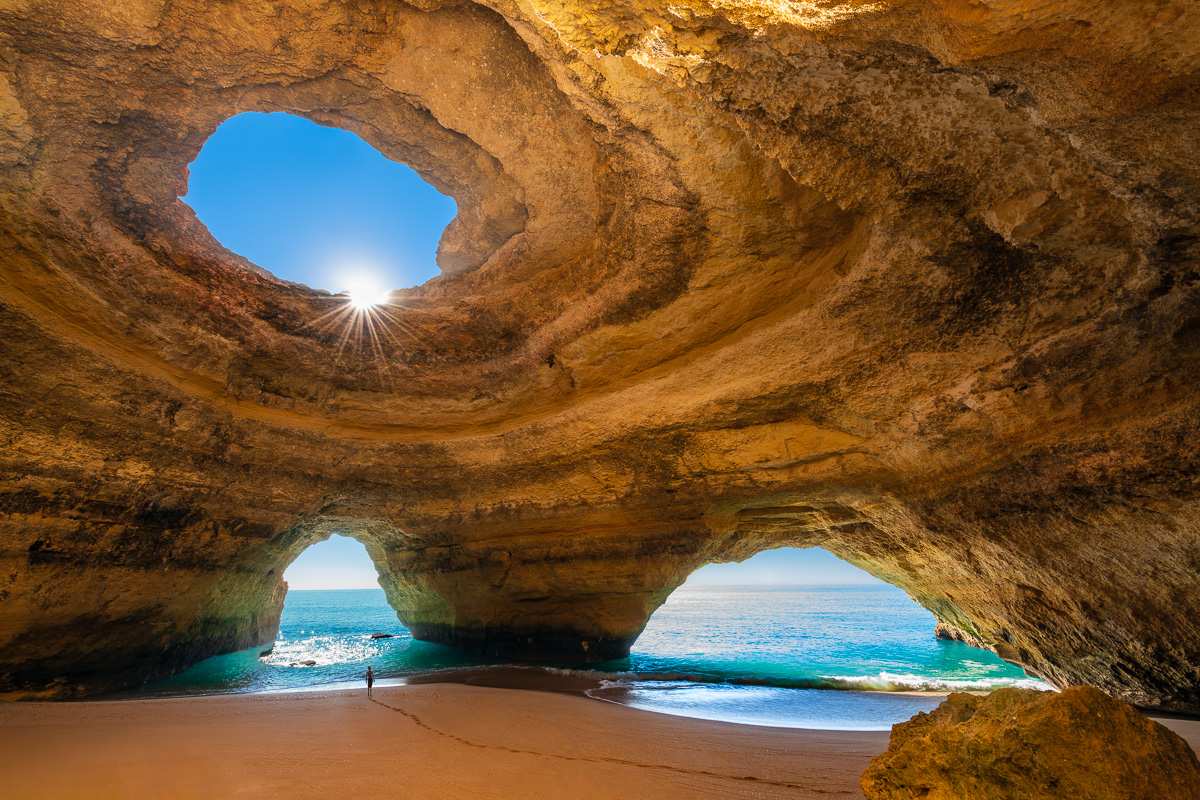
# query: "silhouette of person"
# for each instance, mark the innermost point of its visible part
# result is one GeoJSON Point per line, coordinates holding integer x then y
{"type": "Point", "coordinates": [370, 680]}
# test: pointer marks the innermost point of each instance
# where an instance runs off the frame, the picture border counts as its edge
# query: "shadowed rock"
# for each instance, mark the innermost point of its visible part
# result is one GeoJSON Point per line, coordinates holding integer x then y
{"type": "Point", "coordinates": [1021, 744]}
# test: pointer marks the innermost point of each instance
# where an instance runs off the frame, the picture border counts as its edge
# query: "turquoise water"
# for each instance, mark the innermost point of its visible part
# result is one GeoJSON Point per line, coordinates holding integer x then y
{"type": "Point", "coordinates": [864, 637]}
{"type": "Point", "coordinates": [331, 628]}
{"type": "Point", "coordinates": [760, 655]}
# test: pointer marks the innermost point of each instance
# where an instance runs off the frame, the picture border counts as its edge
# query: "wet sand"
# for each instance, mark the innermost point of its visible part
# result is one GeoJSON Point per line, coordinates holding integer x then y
{"type": "Point", "coordinates": [416, 741]}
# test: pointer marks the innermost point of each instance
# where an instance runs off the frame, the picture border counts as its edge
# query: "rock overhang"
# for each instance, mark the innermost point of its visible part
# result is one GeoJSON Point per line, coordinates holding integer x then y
{"type": "Point", "coordinates": [913, 283]}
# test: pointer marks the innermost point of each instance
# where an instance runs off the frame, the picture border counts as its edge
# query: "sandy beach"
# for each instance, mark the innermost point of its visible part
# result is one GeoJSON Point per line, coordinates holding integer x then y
{"type": "Point", "coordinates": [416, 741]}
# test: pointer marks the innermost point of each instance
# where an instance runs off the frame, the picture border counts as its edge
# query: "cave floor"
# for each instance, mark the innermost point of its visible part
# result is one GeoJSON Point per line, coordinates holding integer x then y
{"type": "Point", "coordinates": [431, 741]}
{"type": "Point", "coordinates": [424, 741]}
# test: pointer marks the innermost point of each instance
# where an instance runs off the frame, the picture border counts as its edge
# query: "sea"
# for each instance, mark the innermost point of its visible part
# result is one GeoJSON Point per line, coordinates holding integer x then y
{"type": "Point", "coordinates": [820, 657]}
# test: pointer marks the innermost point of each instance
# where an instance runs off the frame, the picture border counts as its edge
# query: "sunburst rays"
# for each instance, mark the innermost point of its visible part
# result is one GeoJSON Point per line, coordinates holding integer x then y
{"type": "Point", "coordinates": [366, 321]}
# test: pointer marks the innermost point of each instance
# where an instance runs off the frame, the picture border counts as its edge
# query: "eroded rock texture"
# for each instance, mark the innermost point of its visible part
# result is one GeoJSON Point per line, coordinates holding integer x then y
{"type": "Point", "coordinates": [912, 281]}
{"type": "Point", "coordinates": [1021, 744]}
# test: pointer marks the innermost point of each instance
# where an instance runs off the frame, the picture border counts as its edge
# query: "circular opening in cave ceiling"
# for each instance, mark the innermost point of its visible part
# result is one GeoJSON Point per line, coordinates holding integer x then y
{"type": "Point", "coordinates": [318, 206]}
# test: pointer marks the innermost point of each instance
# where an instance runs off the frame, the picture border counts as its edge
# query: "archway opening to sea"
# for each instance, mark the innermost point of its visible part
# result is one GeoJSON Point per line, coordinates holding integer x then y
{"type": "Point", "coordinates": [336, 622]}
{"type": "Point", "coordinates": [798, 638]}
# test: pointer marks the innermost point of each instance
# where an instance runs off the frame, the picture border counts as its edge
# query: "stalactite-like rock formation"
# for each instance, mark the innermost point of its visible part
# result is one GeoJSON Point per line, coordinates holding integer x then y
{"type": "Point", "coordinates": [912, 281]}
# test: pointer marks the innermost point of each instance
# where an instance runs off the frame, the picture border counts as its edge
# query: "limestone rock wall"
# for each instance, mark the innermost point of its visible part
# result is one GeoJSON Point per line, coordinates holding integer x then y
{"type": "Point", "coordinates": [914, 282]}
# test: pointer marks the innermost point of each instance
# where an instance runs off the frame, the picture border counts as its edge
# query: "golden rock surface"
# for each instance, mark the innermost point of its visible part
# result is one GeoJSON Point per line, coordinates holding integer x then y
{"type": "Point", "coordinates": [913, 281]}
{"type": "Point", "coordinates": [1022, 744]}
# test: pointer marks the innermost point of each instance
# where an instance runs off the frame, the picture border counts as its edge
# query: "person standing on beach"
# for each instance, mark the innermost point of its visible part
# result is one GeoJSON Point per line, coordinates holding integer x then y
{"type": "Point", "coordinates": [370, 680]}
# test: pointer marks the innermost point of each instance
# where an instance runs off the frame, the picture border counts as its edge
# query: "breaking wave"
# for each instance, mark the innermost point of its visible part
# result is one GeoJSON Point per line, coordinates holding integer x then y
{"type": "Point", "coordinates": [882, 682]}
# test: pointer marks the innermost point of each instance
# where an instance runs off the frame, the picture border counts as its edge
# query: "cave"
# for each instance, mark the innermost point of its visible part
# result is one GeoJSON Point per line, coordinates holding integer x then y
{"type": "Point", "coordinates": [913, 283]}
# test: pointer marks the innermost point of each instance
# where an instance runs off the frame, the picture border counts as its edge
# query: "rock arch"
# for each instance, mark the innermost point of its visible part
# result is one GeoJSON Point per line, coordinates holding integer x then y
{"type": "Point", "coordinates": [913, 284]}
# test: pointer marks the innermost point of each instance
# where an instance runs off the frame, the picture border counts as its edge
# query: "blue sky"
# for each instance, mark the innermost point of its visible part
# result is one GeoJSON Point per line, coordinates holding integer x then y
{"type": "Point", "coordinates": [317, 205]}
{"type": "Point", "coordinates": [783, 567]}
{"type": "Point", "coordinates": [339, 563]}
{"type": "Point", "coordinates": [322, 207]}
{"type": "Point", "coordinates": [342, 563]}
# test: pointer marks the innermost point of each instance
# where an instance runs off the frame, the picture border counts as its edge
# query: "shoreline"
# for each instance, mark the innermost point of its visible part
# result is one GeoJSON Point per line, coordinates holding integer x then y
{"type": "Point", "coordinates": [531, 678]}
{"type": "Point", "coordinates": [811, 709]}
{"type": "Point", "coordinates": [550, 678]}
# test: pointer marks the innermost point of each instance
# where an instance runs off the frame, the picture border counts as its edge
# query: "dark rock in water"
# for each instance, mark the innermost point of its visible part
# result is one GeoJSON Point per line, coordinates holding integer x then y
{"type": "Point", "coordinates": [309, 663]}
{"type": "Point", "coordinates": [266, 652]}
{"type": "Point", "coordinates": [953, 633]}
{"type": "Point", "coordinates": [381, 636]}
{"type": "Point", "coordinates": [1022, 744]}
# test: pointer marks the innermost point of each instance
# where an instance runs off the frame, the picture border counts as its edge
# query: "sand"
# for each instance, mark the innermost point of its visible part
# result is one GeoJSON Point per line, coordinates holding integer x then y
{"type": "Point", "coordinates": [418, 741]}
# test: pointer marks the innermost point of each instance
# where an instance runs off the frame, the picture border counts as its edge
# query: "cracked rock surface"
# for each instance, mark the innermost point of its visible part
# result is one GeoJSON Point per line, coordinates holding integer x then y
{"type": "Point", "coordinates": [915, 282]}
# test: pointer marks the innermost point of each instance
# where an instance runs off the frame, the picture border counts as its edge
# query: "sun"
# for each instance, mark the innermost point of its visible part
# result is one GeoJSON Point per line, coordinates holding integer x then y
{"type": "Point", "coordinates": [364, 298]}
{"type": "Point", "coordinates": [366, 320]}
